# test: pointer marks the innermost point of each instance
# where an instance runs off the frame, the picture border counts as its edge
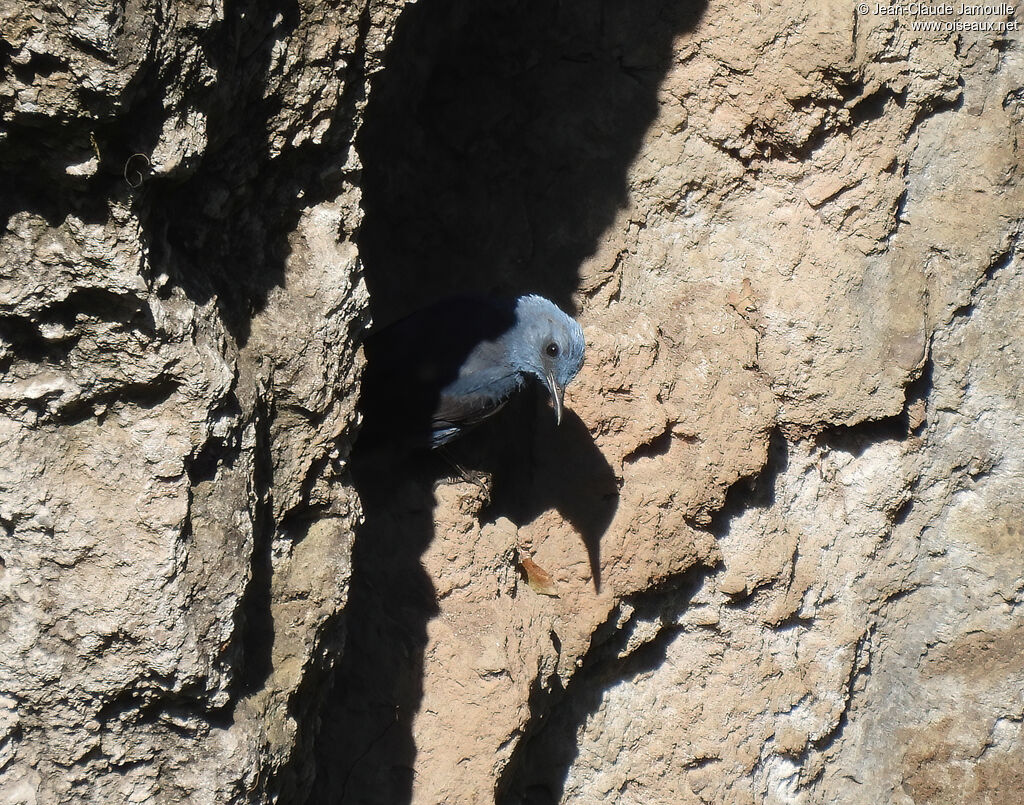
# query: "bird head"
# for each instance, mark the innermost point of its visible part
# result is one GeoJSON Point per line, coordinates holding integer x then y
{"type": "Point", "coordinates": [549, 345]}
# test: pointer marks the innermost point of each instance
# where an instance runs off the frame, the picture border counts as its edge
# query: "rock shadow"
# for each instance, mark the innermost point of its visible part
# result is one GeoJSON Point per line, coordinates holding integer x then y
{"type": "Point", "coordinates": [541, 466]}
{"type": "Point", "coordinates": [221, 231]}
{"type": "Point", "coordinates": [365, 750]}
{"type": "Point", "coordinates": [497, 141]}
{"type": "Point", "coordinates": [496, 146]}
{"type": "Point", "coordinates": [540, 765]}
{"type": "Point", "coordinates": [217, 223]}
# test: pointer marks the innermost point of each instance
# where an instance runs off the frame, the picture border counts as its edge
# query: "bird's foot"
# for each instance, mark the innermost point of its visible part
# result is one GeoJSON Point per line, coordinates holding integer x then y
{"type": "Point", "coordinates": [478, 478]}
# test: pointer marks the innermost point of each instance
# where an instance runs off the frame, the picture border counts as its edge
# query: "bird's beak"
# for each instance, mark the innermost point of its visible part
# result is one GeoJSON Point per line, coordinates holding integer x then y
{"type": "Point", "coordinates": [557, 393]}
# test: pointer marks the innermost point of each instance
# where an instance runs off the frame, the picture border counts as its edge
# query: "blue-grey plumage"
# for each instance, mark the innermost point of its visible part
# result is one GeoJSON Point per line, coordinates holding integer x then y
{"type": "Point", "coordinates": [441, 370]}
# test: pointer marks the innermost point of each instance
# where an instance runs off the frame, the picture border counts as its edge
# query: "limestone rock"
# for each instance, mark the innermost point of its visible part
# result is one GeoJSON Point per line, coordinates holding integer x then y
{"type": "Point", "coordinates": [782, 516]}
{"type": "Point", "coordinates": [180, 369]}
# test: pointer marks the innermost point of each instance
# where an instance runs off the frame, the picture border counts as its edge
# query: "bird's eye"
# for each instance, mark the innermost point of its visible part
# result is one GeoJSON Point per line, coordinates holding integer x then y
{"type": "Point", "coordinates": [552, 349]}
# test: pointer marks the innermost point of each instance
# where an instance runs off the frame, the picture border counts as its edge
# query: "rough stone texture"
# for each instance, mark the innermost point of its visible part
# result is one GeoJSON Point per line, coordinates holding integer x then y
{"type": "Point", "coordinates": [783, 519]}
{"type": "Point", "coordinates": [179, 356]}
{"type": "Point", "coordinates": [779, 214]}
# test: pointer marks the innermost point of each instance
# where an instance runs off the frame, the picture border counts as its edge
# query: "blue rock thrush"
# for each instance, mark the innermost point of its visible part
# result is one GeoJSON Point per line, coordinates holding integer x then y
{"type": "Point", "coordinates": [440, 371]}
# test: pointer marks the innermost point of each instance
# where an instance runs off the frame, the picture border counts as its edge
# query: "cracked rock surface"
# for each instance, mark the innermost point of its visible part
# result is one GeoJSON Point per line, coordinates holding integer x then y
{"type": "Point", "coordinates": [774, 552]}
{"type": "Point", "coordinates": [179, 356]}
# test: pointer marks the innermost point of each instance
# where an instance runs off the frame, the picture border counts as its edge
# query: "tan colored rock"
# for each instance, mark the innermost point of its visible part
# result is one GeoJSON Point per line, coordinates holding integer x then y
{"type": "Point", "coordinates": [179, 365]}
{"type": "Point", "coordinates": [776, 542]}
{"type": "Point", "coordinates": [771, 271]}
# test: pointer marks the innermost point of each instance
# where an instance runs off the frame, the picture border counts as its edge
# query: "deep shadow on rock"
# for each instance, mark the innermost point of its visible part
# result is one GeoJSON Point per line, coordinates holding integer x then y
{"type": "Point", "coordinates": [495, 149]}
{"type": "Point", "coordinates": [366, 750]}
{"type": "Point", "coordinates": [497, 140]}
{"type": "Point", "coordinates": [559, 468]}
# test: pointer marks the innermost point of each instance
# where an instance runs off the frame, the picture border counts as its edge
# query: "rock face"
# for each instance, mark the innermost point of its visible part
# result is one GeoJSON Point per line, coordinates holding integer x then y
{"type": "Point", "coordinates": [180, 307]}
{"type": "Point", "coordinates": [783, 522]}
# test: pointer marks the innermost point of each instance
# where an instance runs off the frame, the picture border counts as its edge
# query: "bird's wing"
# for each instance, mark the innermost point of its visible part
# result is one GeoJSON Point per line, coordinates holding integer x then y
{"type": "Point", "coordinates": [456, 413]}
{"type": "Point", "coordinates": [485, 383]}
{"type": "Point", "coordinates": [427, 374]}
